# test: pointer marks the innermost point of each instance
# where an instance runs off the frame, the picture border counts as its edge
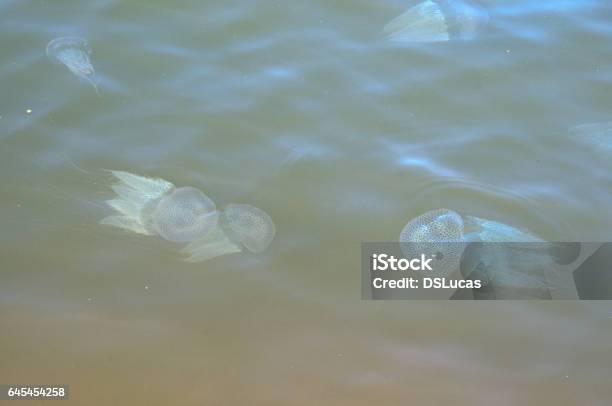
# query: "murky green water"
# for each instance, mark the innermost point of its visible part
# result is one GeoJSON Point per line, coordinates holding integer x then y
{"type": "Point", "coordinates": [302, 109]}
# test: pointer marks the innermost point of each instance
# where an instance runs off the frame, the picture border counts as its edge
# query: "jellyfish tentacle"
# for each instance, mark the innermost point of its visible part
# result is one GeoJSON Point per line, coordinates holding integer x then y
{"type": "Point", "coordinates": [423, 22]}
{"type": "Point", "coordinates": [73, 53]}
{"type": "Point", "coordinates": [438, 21]}
{"type": "Point", "coordinates": [134, 195]}
{"type": "Point", "coordinates": [126, 223]}
{"type": "Point", "coordinates": [213, 245]}
{"type": "Point", "coordinates": [491, 231]}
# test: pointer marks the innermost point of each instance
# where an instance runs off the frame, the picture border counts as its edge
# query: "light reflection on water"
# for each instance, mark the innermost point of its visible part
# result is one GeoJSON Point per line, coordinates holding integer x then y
{"type": "Point", "coordinates": [219, 95]}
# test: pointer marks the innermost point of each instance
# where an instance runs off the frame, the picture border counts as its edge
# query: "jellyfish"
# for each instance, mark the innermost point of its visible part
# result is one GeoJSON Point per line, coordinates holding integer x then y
{"type": "Point", "coordinates": [215, 243]}
{"type": "Point", "coordinates": [479, 229]}
{"type": "Point", "coordinates": [523, 266]}
{"type": "Point", "coordinates": [185, 214]}
{"type": "Point", "coordinates": [135, 197]}
{"type": "Point", "coordinates": [249, 226]}
{"type": "Point", "coordinates": [240, 225]}
{"type": "Point", "coordinates": [73, 52]}
{"type": "Point", "coordinates": [438, 234]}
{"type": "Point", "coordinates": [438, 21]}
{"type": "Point", "coordinates": [155, 207]}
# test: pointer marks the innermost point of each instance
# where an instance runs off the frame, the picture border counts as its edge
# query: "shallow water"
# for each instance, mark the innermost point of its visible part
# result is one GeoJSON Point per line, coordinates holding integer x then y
{"type": "Point", "coordinates": [222, 96]}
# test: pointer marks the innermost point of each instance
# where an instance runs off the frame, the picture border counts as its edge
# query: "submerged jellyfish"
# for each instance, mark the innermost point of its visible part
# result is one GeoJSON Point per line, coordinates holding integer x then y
{"type": "Point", "coordinates": [437, 233]}
{"type": "Point", "coordinates": [136, 197]}
{"type": "Point", "coordinates": [213, 244]}
{"type": "Point", "coordinates": [240, 225]}
{"type": "Point", "coordinates": [249, 226]}
{"type": "Point", "coordinates": [445, 234]}
{"type": "Point", "coordinates": [185, 214]}
{"type": "Point", "coordinates": [525, 267]}
{"type": "Point", "coordinates": [73, 52]}
{"type": "Point", "coordinates": [479, 229]}
{"type": "Point", "coordinates": [438, 21]}
{"type": "Point", "coordinates": [151, 206]}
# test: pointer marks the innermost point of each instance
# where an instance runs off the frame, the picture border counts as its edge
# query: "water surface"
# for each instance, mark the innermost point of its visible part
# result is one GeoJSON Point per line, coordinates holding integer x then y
{"type": "Point", "coordinates": [217, 95]}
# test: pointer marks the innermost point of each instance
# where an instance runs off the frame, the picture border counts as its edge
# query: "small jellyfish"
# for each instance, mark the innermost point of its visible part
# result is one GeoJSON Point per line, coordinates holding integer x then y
{"type": "Point", "coordinates": [249, 226]}
{"type": "Point", "coordinates": [437, 233]}
{"type": "Point", "coordinates": [135, 197]}
{"type": "Point", "coordinates": [185, 214]}
{"type": "Point", "coordinates": [155, 207]}
{"type": "Point", "coordinates": [438, 21]}
{"type": "Point", "coordinates": [73, 52]}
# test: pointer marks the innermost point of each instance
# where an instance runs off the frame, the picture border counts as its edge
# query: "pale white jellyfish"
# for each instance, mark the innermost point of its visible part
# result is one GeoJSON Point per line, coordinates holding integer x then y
{"type": "Point", "coordinates": [524, 267]}
{"type": "Point", "coordinates": [240, 225]}
{"type": "Point", "coordinates": [151, 206]}
{"type": "Point", "coordinates": [185, 214]}
{"type": "Point", "coordinates": [518, 265]}
{"type": "Point", "coordinates": [438, 21]}
{"type": "Point", "coordinates": [249, 226]}
{"type": "Point", "coordinates": [436, 233]}
{"type": "Point", "coordinates": [135, 201]}
{"type": "Point", "coordinates": [73, 52]}
{"type": "Point", "coordinates": [479, 229]}
{"type": "Point", "coordinates": [213, 244]}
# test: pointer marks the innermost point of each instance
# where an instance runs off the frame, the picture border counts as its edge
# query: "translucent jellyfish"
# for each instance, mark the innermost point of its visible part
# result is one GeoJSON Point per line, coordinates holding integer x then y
{"type": "Point", "coordinates": [155, 207]}
{"type": "Point", "coordinates": [437, 233]}
{"type": "Point", "coordinates": [213, 244]}
{"type": "Point", "coordinates": [479, 229]}
{"type": "Point", "coordinates": [249, 226]}
{"type": "Point", "coordinates": [524, 267]}
{"type": "Point", "coordinates": [512, 271]}
{"type": "Point", "coordinates": [73, 52]}
{"type": "Point", "coordinates": [135, 200]}
{"type": "Point", "coordinates": [185, 214]}
{"type": "Point", "coordinates": [438, 21]}
{"type": "Point", "coordinates": [240, 225]}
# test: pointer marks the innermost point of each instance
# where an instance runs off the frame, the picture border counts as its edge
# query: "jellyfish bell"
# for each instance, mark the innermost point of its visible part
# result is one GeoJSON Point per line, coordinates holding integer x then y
{"type": "Point", "coordinates": [438, 21]}
{"type": "Point", "coordinates": [249, 226]}
{"type": "Point", "coordinates": [438, 234]}
{"type": "Point", "coordinates": [435, 225]}
{"type": "Point", "coordinates": [185, 214]}
{"type": "Point", "coordinates": [73, 52]}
